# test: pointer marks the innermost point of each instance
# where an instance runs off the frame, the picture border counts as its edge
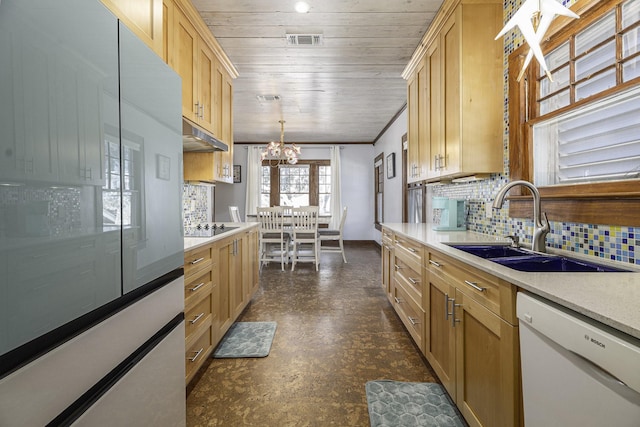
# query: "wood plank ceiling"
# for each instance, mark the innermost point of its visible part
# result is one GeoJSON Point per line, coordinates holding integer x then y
{"type": "Point", "coordinates": [345, 90]}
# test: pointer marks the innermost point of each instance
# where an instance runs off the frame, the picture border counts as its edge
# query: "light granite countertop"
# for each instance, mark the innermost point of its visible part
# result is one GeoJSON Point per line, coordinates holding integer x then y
{"type": "Point", "coordinates": [609, 298]}
{"type": "Point", "coordinates": [239, 227]}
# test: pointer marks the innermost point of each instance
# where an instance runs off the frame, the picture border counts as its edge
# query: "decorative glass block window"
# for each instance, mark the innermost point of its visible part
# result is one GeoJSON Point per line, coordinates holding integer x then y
{"type": "Point", "coordinates": [601, 56]}
{"type": "Point", "coordinates": [597, 143]}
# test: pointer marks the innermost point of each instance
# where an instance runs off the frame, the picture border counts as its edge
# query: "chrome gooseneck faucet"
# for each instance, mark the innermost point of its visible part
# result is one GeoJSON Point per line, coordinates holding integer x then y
{"type": "Point", "coordinates": [541, 224]}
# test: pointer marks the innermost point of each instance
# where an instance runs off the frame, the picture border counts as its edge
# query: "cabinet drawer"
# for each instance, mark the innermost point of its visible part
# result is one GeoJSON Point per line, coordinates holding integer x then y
{"type": "Point", "coordinates": [387, 237]}
{"type": "Point", "coordinates": [196, 287]}
{"type": "Point", "coordinates": [197, 260]}
{"type": "Point", "coordinates": [410, 313]}
{"type": "Point", "coordinates": [495, 294]}
{"type": "Point", "coordinates": [409, 252]}
{"type": "Point", "coordinates": [198, 316]}
{"type": "Point", "coordinates": [410, 278]}
{"type": "Point", "coordinates": [197, 352]}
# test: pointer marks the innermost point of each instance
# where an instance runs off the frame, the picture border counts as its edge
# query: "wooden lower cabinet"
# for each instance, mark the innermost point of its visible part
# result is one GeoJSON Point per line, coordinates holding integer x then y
{"type": "Point", "coordinates": [220, 280]}
{"type": "Point", "coordinates": [487, 371]}
{"type": "Point", "coordinates": [471, 343]}
{"type": "Point", "coordinates": [387, 263]}
{"type": "Point", "coordinates": [439, 348]}
{"type": "Point", "coordinates": [469, 335]}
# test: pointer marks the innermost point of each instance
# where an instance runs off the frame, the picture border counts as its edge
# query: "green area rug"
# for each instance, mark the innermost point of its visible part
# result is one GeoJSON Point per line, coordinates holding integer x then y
{"type": "Point", "coordinates": [395, 404]}
{"type": "Point", "coordinates": [246, 339]}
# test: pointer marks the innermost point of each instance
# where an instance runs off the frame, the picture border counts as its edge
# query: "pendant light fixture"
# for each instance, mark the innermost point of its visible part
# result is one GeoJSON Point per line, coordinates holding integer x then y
{"type": "Point", "coordinates": [278, 153]}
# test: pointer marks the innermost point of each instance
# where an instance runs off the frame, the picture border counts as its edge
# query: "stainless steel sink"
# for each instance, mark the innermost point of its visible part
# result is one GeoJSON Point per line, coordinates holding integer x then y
{"type": "Point", "coordinates": [526, 260]}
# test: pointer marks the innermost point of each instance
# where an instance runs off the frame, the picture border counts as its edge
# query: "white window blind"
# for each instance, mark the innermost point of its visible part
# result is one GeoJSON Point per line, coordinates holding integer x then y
{"type": "Point", "coordinates": [597, 143]}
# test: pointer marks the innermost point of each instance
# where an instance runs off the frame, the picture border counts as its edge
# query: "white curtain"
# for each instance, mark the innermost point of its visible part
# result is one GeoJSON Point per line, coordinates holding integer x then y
{"type": "Point", "coordinates": [254, 163]}
{"type": "Point", "coordinates": [336, 197]}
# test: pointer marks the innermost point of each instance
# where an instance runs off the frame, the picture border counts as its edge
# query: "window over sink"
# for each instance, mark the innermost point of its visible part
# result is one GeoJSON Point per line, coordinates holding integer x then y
{"type": "Point", "coordinates": [576, 135]}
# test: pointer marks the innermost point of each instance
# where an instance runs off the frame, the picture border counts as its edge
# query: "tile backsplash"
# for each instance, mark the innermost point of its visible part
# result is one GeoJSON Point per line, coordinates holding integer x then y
{"type": "Point", "coordinates": [196, 204]}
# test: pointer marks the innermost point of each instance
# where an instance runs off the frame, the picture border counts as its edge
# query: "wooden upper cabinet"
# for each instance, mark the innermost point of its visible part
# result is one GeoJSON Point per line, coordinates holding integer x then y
{"type": "Point", "coordinates": [143, 17]}
{"type": "Point", "coordinates": [198, 62]}
{"type": "Point", "coordinates": [433, 116]}
{"type": "Point", "coordinates": [224, 159]}
{"type": "Point", "coordinates": [206, 68]}
{"type": "Point", "coordinates": [461, 121]}
{"type": "Point", "coordinates": [183, 58]}
{"type": "Point", "coordinates": [207, 86]}
{"type": "Point", "coordinates": [418, 149]}
{"type": "Point", "coordinates": [413, 161]}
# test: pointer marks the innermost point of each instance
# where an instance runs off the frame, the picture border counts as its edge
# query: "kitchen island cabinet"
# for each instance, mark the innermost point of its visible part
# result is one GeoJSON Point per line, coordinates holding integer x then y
{"type": "Point", "coordinates": [221, 277]}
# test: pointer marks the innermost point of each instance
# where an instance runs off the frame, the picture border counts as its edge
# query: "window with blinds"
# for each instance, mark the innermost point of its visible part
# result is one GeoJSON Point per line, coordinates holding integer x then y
{"type": "Point", "coordinates": [594, 144]}
{"type": "Point", "coordinates": [600, 141]}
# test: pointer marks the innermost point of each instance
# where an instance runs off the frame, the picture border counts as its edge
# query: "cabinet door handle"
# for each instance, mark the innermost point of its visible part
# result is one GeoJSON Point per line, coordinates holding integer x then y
{"type": "Point", "coordinates": [413, 281]}
{"type": "Point", "coordinates": [435, 264]}
{"type": "Point", "coordinates": [197, 354]}
{"type": "Point", "coordinates": [453, 313]}
{"type": "Point", "coordinates": [475, 286]}
{"type": "Point", "coordinates": [446, 307]}
{"type": "Point", "coordinates": [197, 261]}
{"type": "Point", "coordinates": [397, 267]}
{"type": "Point", "coordinates": [412, 250]}
{"type": "Point", "coordinates": [398, 300]}
{"type": "Point", "coordinates": [198, 317]}
{"type": "Point", "coordinates": [413, 321]}
{"type": "Point", "coordinates": [198, 286]}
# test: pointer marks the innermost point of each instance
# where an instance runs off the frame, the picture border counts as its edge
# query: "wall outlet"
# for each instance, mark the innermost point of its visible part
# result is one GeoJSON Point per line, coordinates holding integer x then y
{"type": "Point", "coordinates": [488, 208]}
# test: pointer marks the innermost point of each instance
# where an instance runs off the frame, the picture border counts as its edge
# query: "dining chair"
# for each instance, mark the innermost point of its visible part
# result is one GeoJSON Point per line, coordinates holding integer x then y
{"type": "Point", "coordinates": [273, 239]}
{"type": "Point", "coordinates": [304, 229]}
{"type": "Point", "coordinates": [234, 212]}
{"type": "Point", "coordinates": [327, 234]}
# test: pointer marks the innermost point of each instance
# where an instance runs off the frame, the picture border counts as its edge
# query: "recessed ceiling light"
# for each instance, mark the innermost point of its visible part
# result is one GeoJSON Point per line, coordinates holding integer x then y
{"type": "Point", "coordinates": [302, 7]}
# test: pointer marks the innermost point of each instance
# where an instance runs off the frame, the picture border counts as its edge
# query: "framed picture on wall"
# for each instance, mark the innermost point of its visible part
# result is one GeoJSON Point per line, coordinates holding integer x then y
{"type": "Point", "coordinates": [236, 174]}
{"type": "Point", "coordinates": [391, 165]}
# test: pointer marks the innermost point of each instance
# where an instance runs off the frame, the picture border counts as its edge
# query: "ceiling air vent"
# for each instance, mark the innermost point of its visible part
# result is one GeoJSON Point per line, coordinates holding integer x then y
{"type": "Point", "coordinates": [304, 39]}
{"type": "Point", "coordinates": [268, 98]}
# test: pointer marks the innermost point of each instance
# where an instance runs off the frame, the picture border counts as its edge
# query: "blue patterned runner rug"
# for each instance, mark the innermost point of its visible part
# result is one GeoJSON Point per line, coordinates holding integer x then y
{"type": "Point", "coordinates": [396, 404]}
{"type": "Point", "coordinates": [246, 339]}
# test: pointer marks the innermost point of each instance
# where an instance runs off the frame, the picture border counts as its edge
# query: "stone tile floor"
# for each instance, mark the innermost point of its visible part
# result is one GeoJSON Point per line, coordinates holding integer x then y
{"type": "Point", "coordinates": [336, 331]}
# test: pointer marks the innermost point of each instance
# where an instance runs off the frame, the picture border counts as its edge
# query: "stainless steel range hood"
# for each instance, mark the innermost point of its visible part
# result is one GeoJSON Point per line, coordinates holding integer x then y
{"type": "Point", "coordinates": [198, 140]}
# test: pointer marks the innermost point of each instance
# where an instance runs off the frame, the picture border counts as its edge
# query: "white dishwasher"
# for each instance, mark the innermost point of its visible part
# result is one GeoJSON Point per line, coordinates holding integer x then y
{"type": "Point", "coordinates": [576, 371]}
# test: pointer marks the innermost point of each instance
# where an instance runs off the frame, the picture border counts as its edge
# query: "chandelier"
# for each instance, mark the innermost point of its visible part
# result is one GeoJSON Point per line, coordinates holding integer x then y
{"type": "Point", "coordinates": [277, 153]}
